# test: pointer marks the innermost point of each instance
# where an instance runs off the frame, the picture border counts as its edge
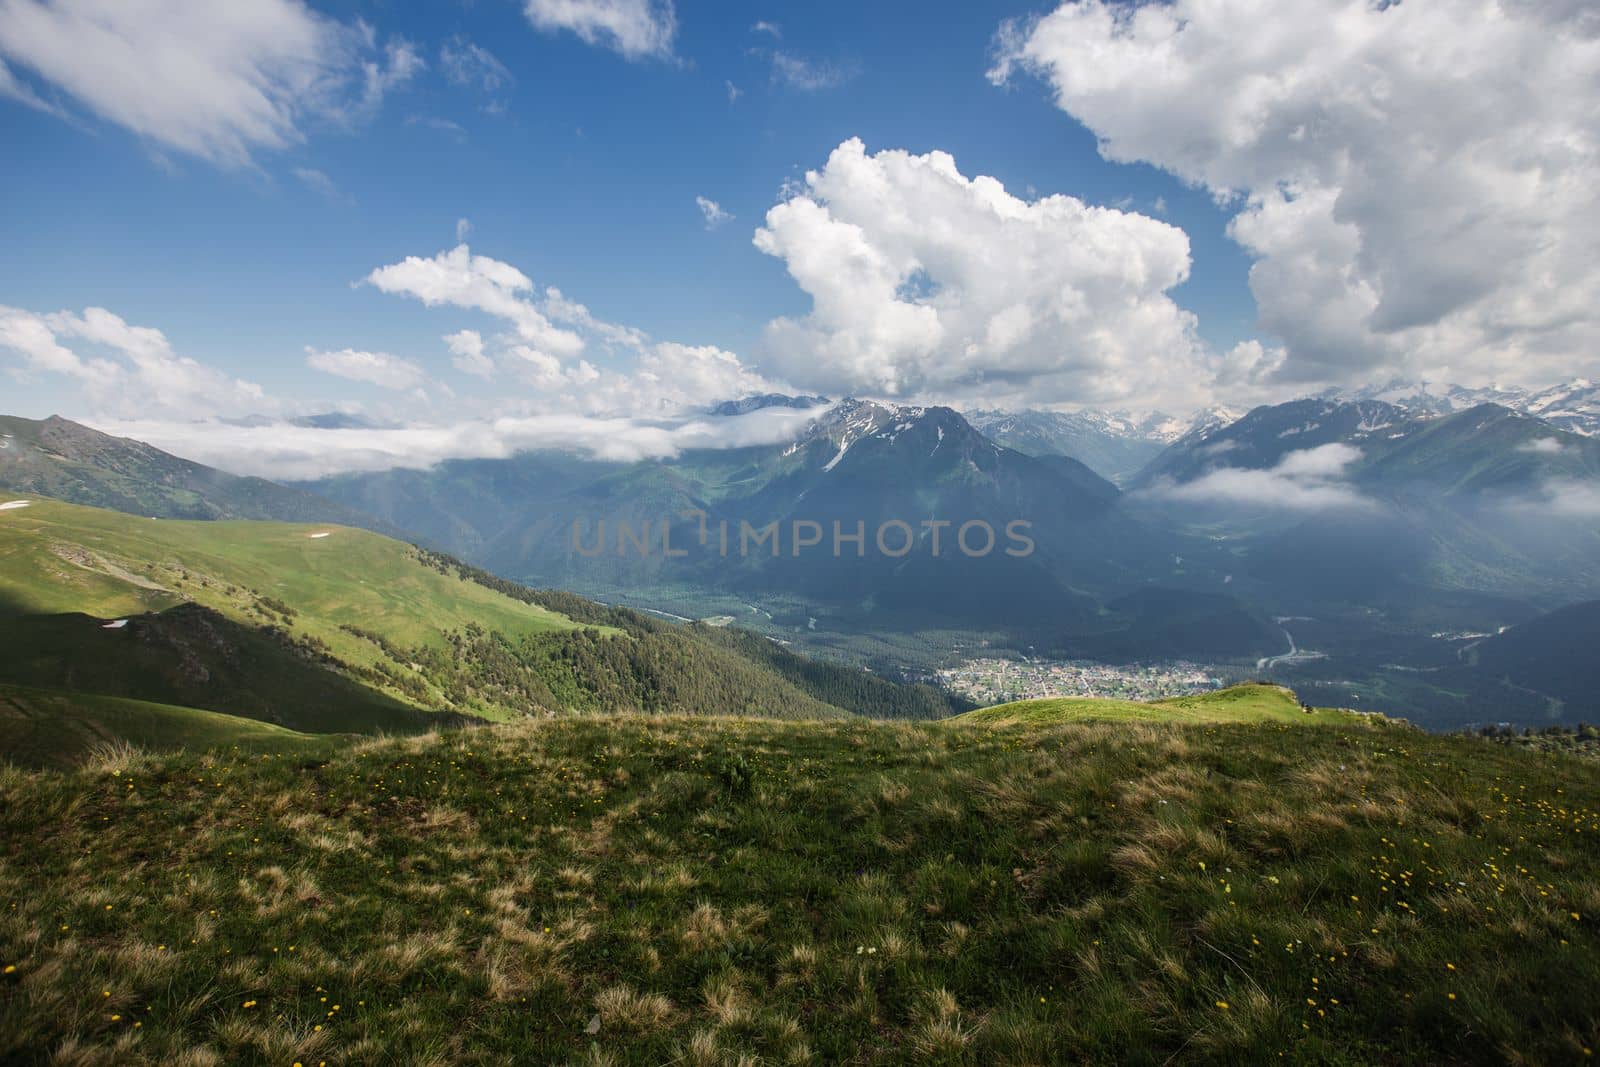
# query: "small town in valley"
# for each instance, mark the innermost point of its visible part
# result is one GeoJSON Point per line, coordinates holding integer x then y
{"type": "Point", "coordinates": [994, 681]}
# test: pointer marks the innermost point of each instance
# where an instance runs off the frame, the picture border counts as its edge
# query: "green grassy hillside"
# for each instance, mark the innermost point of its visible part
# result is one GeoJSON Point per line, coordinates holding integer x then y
{"type": "Point", "coordinates": [314, 628]}
{"type": "Point", "coordinates": [700, 891]}
{"type": "Point", "coordinates": [197, 658]}
{"type": "Point", "coordinates": [57, 557]}
{"type": "Point", "coordinates": [62, 459]}
{"type": "Point", "coordinates": [45, 728]}
{"type": "Point", "coordinates": [326, 629]}
{"type": "Point", "coordinates": [1237, 704]}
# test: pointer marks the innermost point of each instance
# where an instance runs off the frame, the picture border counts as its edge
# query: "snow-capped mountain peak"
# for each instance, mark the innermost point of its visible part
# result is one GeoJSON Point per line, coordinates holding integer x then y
{"type": "Point", "coordinates": [1573, 406]}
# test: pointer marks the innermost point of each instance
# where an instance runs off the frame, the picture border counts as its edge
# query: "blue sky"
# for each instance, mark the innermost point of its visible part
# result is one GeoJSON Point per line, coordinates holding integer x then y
{"type": "Point", "coordinates": [586, 180]}
{"type": "Point", "coordinates": [243, 231]}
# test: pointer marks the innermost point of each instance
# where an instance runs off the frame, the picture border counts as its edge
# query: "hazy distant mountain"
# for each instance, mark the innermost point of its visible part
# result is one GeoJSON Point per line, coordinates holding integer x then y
{"type": "Point", "coordinates": [862, 465]}
{"type": "Point", "coordinates": [1264, 435]}
{"type": "Point", "coordinates": [1466, 500]}
{"type": "Point", "coordinates": [766, 400]}
{"type": "Point", "coordinates": [464, 504]}
{"type": "Point", "coordinates": [338, 420]}
{"type": "Point", "coordinates": [59, 458]}
{"type": "Point", "coordinates": [865, 464]}
{"type": "Point", "coordinates": [1114, 445]}
{"type": "Point", "coordinates": [1487, 447]}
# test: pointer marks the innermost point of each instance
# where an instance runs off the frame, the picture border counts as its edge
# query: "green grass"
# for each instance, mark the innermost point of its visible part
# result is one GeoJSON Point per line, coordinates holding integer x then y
{"type": "Point", "coordinates": [57, 558]}
{"type": "Point", "coordinates": [192, 658]}
{"type": "Point", "coordinates": [47, 728]}
{"type": "Point", "coordinates": [1250, 703]}
{"type": "Point", "coordinates": [280, 646]}
{"type": "Point", "coordinates": [633, 890]}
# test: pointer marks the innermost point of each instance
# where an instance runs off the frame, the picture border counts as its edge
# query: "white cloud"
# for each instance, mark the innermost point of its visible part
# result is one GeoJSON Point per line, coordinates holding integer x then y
{"type": "Point", "coordinates": [714, 215]}
{"type": "Point", "coordinates": [1570, 499]}
{"type": "Point", "coordinates": [571, 313]}
{"type": "Point", "coordinates": [400, 64]}
{"type": "Point", "coordinates": [318, 182]}
{"type": "Point", "coordinates": [1419, 183]}
{"type": "Point", "coordinates": [672, 378]}
{"type": "Point", "coordinates": [1245, 374]}
{"type": "Point", "coordinates": [924, 281]}
{"type": "Point", "coordinates": [463, 228]}
{"type": "Point", "coordinates": [289, 452]}
{"type": "Point", "coordinates": [1544, 446]}
{"type": "Point", "coordinates": [551, 339]}
{"type": "Point", "coordinates": [636, 29]}
{"type": "Point", "coordinates": [138, 370]}
{"type": "Point", "coordinates": [772, 29]}
{"type": "Point", "coordinates": [466, 348]}
{"type": "Point", "coordinates": [1312, 479]}
{"type": "Point", "coordinates": [214, 80]}
{"type": "Point", "coordinates": [465, 63]}
{"type": "Point", "coordinates": [459, 278]}
{"type": "Point", "coordinates": [375, 368]}
{"type": "Point", "coordinates": [734, 92]}
{"type": "Point", "coordinates": [433, 122]}
{"type": "Point", "coordinates": [13, 89]}
{"type": "Point", "coordinates": [809, 75]}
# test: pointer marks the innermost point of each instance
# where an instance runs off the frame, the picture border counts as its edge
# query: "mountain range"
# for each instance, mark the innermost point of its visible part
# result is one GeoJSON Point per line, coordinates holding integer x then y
{"type": "Point", "coordinates": [60, 458]}
{"type": "Point", "coordinates": [1572, 406]}
{"type": "Point", "coordinates": [1115, 445]}
{"type": "Point", "coordinates": [1380, 521]}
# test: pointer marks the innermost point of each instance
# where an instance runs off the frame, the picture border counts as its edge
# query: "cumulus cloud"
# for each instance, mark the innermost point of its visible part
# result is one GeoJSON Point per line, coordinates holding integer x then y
{"type": "Point", "coordinates": [924, 281]}
{"type": "Point", "coordinates": [132, 368]}
{"type": "Point", "coordinates": [635, 29]}
{"type": "Point", "coordinates": [1312, 479]}
{"type": "Point", "coordinates": [459, 278]}
{"type": "Point", "coordinates": [1544, 446]}
{"type": "Point", "coordinates": [712, 212]}
{"type": "Point", "coordinates": [557, 347]}
{"type": "Point", "coordinates": [290, 452]}
{"type": "Point", "coordinates": [217, 81]}
{"type": "Point", "coordinates": [466, 350]}
{"type": "Point", "coordinates": [1416, 181]}
{"type": "Point", "coordinates": [374, 368]}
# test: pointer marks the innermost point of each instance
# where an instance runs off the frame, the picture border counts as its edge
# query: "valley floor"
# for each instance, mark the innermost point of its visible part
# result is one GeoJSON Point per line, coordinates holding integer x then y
{"type": "Point", "coordinates": [709, 891]}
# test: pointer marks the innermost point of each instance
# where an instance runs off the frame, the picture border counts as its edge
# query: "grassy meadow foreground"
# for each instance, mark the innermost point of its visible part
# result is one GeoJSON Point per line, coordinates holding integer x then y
{"type": "Point", "coordinates": [711, 891]}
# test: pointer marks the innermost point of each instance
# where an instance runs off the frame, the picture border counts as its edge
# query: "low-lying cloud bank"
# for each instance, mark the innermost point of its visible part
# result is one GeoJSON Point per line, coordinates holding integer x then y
{"type": "Point", "coordinates": [1563, 498]}
{"type": "Point", "coordinates": [287, 452]}
{"type": "Point", "coordinates": [1310, 480]}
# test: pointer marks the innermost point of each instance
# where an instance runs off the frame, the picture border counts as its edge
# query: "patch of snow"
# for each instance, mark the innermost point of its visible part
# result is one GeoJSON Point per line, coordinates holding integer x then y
{"type": "Point", "coordinates": [316, 536]}
{"type": "Point", "coordinates": [834, 462]}
{"type": "Point", "coordinates": [13, 505]}
{"type": "Point", "coordinates": [115, 624]}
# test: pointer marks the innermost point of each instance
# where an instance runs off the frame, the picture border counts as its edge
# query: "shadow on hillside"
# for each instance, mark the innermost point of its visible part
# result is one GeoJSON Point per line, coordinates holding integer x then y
{"type": "Point", "coordinates": [194, 657]}
{"type": "Point", "coordinates": [10, 605]}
